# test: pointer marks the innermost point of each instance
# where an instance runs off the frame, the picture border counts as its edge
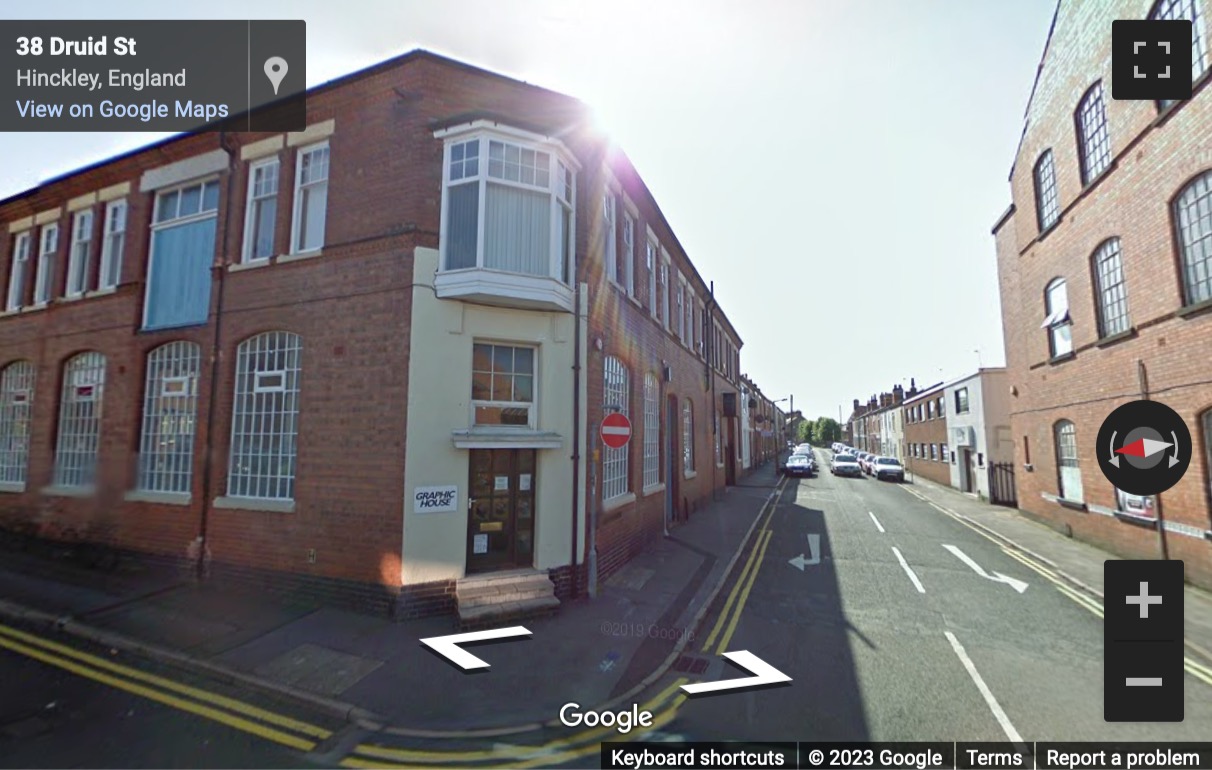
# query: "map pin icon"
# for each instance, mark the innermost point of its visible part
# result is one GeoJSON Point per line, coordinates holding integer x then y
{"type": "Point", "coordinates": [275, 70]}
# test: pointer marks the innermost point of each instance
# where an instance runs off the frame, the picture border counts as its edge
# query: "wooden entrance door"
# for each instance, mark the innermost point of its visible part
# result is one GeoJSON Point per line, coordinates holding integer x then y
{"type": "Point", "coordinates": [500, 521]}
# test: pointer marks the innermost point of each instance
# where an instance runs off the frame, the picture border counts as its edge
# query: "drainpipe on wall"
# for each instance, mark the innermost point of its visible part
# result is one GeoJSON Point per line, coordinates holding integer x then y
{"type": "Point", "coordinates": [1142, 376]}
{"type": "Point", "coordinates": [200, 545]}
{"type": "Point", "coordinates": [576, 439]}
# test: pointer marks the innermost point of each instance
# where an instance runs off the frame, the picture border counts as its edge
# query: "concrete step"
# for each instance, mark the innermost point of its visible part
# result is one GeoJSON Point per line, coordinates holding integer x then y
{"type": "Point", "coordinates": [502, 589]}
{"type": "Point", "coordinates": [493, 597]}
{"type": "Point", "coordinates": [506, 577]}
{"type": "Point", "coordinates": [471, 618]}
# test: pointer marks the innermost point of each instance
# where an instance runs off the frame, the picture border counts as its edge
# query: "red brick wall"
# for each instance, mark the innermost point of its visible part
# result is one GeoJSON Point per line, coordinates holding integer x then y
{"type": "Point", "coordinates": [1154, 157]}
{"type": "Point", "coordinates": [927, 431]}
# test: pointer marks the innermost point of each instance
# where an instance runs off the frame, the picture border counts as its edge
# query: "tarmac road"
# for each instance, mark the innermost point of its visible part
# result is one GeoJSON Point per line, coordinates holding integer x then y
{"type": "Point", "coordinates": [894, 635]}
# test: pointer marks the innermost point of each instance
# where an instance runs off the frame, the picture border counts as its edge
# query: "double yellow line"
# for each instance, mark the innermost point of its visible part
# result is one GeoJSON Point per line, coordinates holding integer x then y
{"type": "Point", "coordinates": [663, 706]}
{"type": "Point", "coordinates": [1193, 667]}
{"type": "Point", "coordinates": [228, 711]}
{"type": "Point", "coordinates": [744, 584]}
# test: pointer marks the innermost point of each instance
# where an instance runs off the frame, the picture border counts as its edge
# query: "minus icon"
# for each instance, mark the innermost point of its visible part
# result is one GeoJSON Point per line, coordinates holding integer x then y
{"type": "Point", "coordinates": [1144, 681]}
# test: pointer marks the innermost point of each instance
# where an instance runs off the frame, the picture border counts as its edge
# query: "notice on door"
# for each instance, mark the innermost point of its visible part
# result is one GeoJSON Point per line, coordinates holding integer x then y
{"type": "Point", "coordinates": [435, 499]}
{"type": "Point", "coordinates": [501, 484]}
{"type": "Point", "coordinates": [479, 544]}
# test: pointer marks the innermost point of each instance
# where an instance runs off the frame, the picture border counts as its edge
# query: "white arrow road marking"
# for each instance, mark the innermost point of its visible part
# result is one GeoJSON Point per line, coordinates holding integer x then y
{"type": "Point", "coordinates": [814, 551]}
{"type": "Point", "coordinates": [908, 571]}
{"type": "Point", "coordinates": [996, 577]}
{"type": "Point", "coordinates": [448, 646]}
{"type": "Point", "coordinates": [763, 673]}
{"type": "Point", "coordinates": [878, 526]}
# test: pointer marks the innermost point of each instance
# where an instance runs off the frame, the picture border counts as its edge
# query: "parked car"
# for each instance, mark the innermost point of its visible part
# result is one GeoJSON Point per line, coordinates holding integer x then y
{"type": "Point", "coordinates": [845, 465]}
{"type": "Point", "coordinates": [803, 449]}
{"type": "Point", "coordinates": [888, 468]}
{"type": "Point", "coordinates": [799, 465]}
{"type": "Point", "coordinates": [864, 461]}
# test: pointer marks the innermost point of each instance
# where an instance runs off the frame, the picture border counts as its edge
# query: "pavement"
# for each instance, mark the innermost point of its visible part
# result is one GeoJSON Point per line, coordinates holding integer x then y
{"type": "Point", "coordinates": [1079, 563]}
{"type": "Point", "coordinates": [369, 670]}
{"type": "Point", "coordinates": [600, 652]}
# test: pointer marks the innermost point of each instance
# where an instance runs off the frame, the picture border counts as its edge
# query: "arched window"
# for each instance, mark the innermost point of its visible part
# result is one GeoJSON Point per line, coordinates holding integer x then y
{"type": "Point", "coordinates": [265, 417]}
{"type": "Point", "coordinates": [1093, 141]}
{"type": "Point", "coordinates": [1068, 470]}
{"type": "Point", "coordinates": [170, 406]}
{"type": "Point", "coordinates": [80, 421]}
{"type": "Point", "coordinates": [1193, 228]}
{"type": "Point", "coordinates": [16, 402]}
{"type": "Point", "coordinates": [1047, 206]}
{"type": "Point", "coordinates": [1185, 10]}
{"type": "Point", "coordinates": [615, 461]}
{"type": "Point", "coordinates": [1056, 320]}
{"type": "Point", "coordinates": [1111, 293]}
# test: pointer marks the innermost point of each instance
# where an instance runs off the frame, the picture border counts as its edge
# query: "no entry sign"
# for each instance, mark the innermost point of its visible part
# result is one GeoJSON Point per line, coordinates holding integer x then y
{"type": "Point", "coordinates": [616, 430]}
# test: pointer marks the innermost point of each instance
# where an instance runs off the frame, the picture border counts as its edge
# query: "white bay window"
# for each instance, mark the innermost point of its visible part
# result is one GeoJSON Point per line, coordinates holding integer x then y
{"type": "Point", "coordinates": [507, 219]}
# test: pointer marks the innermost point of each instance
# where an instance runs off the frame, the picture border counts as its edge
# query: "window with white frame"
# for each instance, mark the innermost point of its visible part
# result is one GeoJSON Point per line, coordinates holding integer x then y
{"type": "Point", "coordinates": [1192, 212]}
{"type": "Point", "coordinates": [1056, 306]}
{"type": "Point", "coordinates": [934, 451]}
{"type": "Point", "coordinates": [79, 436]}
{"type": "Point", "coordinates": [16, 403]}
{"type": "Point", "coordinates": [681, 309]}
{"type": "Point", "coordinates": [18, 271]}
{"type": "Point", "coordinates": [170, 405]}
{"type": "Point", "coordinates": [261, 211]}
{"type": "Point", "coordinates": [1186, 10]}
{"type": "Point", "coordinates": [687, 436]}
{"type": "Point", "coordinates": [182, 255]}
{"type": "Point", "coordinates": [1069, 472]}
{"type": "Point", "coordinates": [609, 254]}
{"type": "Point", "coordinates": [664, 290]}
{"type": "Point", "coordinates": [79, 261]}
{"type": "Point", "coordinates": [113, 241]}
{"type": "Point", "coordinates": [265, 417]}
{"type": "Point", "coordinates": [1047, 206]}
{"type": "Point", "coordinates": [1093, 141]}
{"type": "Point", "coordinates": [311, 198]}
{"type": "Point", "coordinates": [651, 258]}
{"type": "Point", "coordinates": [690, 316]}
{"type": "Point", "coordinates": [508, 205]}
{"type": "Point", "coordinates": [614, 399]}
{"type": "Point", "coordinates": [1111, 291]}
{"type": "Point", "coordinates": [502, 385]}
{"type": "Point", "coordinates": [46, 264]}
{"type": "Point", "coordinates": [629, 253]}
{"type": "Point", "coordinates": [652, 430]}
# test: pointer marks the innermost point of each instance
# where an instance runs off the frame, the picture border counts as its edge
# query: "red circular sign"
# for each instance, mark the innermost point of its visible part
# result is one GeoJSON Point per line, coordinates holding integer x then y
{"type": "Point", "coordinates": [616, 430]}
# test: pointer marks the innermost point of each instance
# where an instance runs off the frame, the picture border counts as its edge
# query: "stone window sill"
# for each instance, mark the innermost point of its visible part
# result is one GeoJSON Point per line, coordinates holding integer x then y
{"type": "Point", "coordinates": [255, 504]}
{"type": "Point", "coordinates": [615, 503]}
{"type": "Point", "coordinates": [163, 498]}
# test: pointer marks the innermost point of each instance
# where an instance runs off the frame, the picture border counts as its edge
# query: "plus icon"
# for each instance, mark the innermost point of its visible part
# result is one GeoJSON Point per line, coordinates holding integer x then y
{"type": "Point", "coordinates": [1144, 600]}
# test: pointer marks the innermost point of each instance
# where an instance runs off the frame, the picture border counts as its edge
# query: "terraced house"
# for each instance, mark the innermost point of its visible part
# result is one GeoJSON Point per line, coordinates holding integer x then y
{"type": "Point", "coordinates": [1105, 266]}
{"type": "Point", "coordinates": [368, 359]}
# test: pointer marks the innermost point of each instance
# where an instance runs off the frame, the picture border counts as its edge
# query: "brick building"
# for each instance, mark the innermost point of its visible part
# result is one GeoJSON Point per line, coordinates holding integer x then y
{"type": "Point", "coordinates": [1105, 258]}
{"type": "Point", "coordinates": [925, 423]}
{"type": "Point", "coordinates": [369, 359]}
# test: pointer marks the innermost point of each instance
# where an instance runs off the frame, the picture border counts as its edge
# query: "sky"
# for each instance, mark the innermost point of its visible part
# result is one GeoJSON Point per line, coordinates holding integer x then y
{"type": "Point", "coordinates": [834, 166]}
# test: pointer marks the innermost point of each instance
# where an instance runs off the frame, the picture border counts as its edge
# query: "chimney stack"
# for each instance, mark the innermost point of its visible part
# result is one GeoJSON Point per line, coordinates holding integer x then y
{"type": "Point", "coordinates": [898, 394]}
{"type": "Point", "coordinates": [856, 404]}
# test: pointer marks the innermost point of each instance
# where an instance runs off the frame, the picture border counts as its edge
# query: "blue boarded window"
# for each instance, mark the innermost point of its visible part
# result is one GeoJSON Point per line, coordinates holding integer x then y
{"type": "Point", "coordinates": [182, 253]}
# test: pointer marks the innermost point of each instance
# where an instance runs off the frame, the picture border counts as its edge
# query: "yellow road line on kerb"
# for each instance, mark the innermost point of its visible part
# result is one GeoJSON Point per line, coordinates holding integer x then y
{"type": "Point", "coordinates": [1192, 667]}
{"type": "Point", "coordinates": [740, 605]}
{"type": "Point", "coordinates": [231, 704]}
{"type": "Point", "coordinates": [181, 704]}
{"type": "Point", "coordinates": [764, 530]}
{"type": "Point", "coordinates": [670, 698]}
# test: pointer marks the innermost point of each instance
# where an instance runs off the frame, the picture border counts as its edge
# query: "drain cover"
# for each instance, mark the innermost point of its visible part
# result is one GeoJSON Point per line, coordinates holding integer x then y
{"type": "Point", "coordinates": [690, 664]}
